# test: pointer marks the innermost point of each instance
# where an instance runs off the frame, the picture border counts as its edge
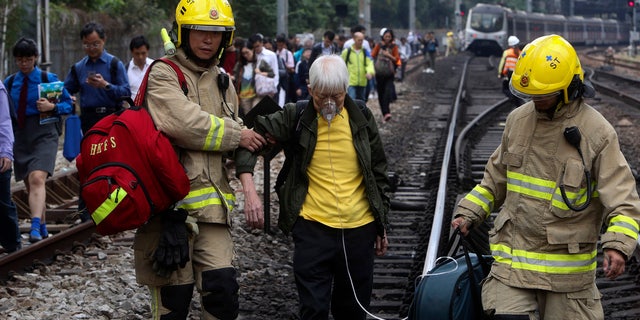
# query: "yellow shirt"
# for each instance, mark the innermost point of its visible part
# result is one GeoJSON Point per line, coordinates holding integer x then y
{"type": "Point", "coordinates": [336, 195]}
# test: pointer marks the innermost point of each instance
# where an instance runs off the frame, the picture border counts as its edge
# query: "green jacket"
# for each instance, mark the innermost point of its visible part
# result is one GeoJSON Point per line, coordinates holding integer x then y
{"type": "Point", "coordinates": [359, 65]}
{"type": "Point", "coordinates": [301, 145]}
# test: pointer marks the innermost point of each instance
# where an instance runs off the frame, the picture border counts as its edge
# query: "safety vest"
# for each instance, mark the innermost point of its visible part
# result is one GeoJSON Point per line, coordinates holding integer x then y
{"type": "Point", "coordinates": [510, 61]}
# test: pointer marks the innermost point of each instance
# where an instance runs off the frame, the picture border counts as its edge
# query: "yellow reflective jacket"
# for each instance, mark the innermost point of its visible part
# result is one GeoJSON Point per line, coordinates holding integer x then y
{"type": "Point", "coordinates": [536, 240]}
{"type": "Point", "coordinates": [202, 127]}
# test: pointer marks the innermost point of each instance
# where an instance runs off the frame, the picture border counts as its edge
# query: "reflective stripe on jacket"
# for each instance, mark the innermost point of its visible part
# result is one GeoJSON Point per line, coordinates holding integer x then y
{"type": "Point", "coordinates": [537, 241]}
{"type": "Point", "coordinates": [204, 130]}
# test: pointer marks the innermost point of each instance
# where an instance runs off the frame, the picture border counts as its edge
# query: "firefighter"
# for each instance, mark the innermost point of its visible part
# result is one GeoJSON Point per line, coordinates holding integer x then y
{"type": "Point", "coordinates": [559, 179]}
{"type": "Point", "coordinates": [204, 126]}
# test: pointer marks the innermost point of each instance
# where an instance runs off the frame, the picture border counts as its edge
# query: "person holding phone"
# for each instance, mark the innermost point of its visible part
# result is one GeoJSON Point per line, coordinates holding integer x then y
{"type": "Point", "coordinates": [99, 78]}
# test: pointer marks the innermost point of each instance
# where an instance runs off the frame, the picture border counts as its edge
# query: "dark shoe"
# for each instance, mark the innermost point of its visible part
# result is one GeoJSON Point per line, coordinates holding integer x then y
{"type": "Point", "coordinates": [43, 230]}
{"type": "Point", "coordinates": [35, 236]}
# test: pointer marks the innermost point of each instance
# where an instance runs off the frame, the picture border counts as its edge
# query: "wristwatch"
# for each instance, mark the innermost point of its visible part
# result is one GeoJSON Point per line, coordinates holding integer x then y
{"type": "Point", "coordinates": [107, 87]}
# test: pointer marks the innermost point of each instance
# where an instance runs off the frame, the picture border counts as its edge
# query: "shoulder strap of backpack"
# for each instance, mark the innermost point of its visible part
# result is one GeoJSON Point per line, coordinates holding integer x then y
{"type": "Point", "coordinates": [113, 68]}
{"type": "Point", "coordinates": [142, 91]}
{"type": "Point", "coordinates": [44, 76]}
{"type": "Point", "coordinates": [348, 54]}
{"type": "Point", "coordinates": [12, 109]}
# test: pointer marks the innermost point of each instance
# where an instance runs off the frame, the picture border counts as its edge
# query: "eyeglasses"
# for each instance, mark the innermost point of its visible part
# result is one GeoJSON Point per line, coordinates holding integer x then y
{"type": "Point", "coordinates": [25, 60]}
{"type": "Point", "coordinates": [94, 45]}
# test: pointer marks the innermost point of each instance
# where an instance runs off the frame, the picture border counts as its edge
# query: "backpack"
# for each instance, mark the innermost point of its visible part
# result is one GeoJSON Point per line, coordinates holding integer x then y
{"type": "Point", "coordinates": [366, 55]}
{"type": "Point", "coordinates": [283, 80]}
{"type": "Point", "coordinates": [128, 169]}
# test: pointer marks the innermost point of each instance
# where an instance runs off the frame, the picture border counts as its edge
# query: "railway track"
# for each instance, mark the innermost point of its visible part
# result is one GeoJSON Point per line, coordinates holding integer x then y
{"type": "Point", "coordinates": [416, 203]}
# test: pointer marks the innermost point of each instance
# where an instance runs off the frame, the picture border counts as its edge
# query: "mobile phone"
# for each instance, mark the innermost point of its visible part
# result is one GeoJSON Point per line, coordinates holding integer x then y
{"type": "Point", "coordinates": [91, 73]}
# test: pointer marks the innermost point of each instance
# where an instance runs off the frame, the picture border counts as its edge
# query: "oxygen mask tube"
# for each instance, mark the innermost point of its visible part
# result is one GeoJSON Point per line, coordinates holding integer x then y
{"type": "Point", "coordinates": [169, 47]}
{"type": "Point", "coordinates": [329, 110]}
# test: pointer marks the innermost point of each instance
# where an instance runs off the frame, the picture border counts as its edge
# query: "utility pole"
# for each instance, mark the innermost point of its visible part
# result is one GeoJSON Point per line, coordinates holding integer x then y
{"type": "Point", "coordinates": [412, 15]}
{"type": "Point", "coordinates": [282, 21]}
{"type": "Point", "coordinates": [364, 15]}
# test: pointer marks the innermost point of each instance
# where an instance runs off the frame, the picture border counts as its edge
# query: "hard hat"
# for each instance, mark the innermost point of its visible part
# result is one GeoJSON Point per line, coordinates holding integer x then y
{"type": "Point", "coordinates": [382, 31]}
{"type": "Point", "coordinates": [206, 15]}
{"type": "Point", "coordinates": [449, 34]}
{"type": "Point", "coordinates": [548, 66]}
{"type": "Point", "coordinates": [512, 41]}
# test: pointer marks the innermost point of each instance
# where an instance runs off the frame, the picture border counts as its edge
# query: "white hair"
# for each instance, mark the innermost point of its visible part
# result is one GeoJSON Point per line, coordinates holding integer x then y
{"type": "Point", "coordinates": [329, 74]}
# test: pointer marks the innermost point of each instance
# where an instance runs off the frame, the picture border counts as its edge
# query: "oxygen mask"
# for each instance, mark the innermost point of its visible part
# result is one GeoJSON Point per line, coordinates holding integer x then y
{"type": "Point", "coordinates": [329, 110]}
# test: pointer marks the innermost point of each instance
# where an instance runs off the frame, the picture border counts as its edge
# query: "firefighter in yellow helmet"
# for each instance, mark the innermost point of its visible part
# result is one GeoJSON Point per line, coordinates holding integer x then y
{"type": "Point", "coordinates": [559, 180]}
{"type": "Point", "coordinates": [191, 245]}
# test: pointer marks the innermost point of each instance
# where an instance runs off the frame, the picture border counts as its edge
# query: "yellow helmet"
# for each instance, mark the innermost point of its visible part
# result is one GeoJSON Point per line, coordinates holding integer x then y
{"type": "Point", "coordinates": [548, 66]}
{"type": "Point", "coordinates": [207, 15]}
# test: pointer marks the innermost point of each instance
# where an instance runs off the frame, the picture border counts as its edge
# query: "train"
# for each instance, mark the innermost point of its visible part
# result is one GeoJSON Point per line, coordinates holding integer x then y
{"type": "Point", "coordinates": [488, 26]}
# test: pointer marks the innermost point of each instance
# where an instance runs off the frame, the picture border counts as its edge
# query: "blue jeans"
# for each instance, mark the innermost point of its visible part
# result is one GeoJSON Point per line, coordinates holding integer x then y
{"type": "Point", "coordinates": [357, 92]}
{"type": "Point", "coordinates": [9, 231]}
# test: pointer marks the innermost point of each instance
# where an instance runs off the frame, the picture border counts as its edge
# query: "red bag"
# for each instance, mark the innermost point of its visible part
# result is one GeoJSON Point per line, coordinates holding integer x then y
{"type": "Point", "coordinates": [129, 170]}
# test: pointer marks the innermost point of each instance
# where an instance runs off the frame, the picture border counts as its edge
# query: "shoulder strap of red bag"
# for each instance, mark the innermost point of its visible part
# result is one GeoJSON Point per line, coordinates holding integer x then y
{"type": "Point", "coordinates": [142, 91]}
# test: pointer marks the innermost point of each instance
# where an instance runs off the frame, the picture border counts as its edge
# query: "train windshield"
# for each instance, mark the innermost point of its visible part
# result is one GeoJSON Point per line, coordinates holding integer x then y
{"type": "Point", "coordinates": [487, 21]}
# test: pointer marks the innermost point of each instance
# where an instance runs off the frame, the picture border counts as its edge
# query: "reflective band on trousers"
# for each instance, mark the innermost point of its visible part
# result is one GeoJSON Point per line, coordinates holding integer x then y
{"type": "Point", "coordinates": [201, 198]}
{"type": "Point", "coordinates": [214, 137]}
{"type": "Point", "coordinates": [544, 262]}
{"type": "Point", "coordinates": [109, 204]}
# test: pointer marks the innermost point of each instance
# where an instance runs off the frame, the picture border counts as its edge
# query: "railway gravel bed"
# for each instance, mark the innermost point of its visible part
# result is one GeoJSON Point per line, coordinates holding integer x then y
{"type": "Point", "coordinates": [98, 281]}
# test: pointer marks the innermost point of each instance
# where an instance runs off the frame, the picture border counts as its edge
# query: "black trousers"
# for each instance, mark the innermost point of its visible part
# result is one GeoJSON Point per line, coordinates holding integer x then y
{"type": "Point", "coordinates": [320, 269]}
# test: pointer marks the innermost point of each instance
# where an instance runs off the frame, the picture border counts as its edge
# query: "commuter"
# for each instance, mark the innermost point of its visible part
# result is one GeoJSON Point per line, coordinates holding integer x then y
{"type": "Point", "coordinates": [404, 48]}
{"type": "Point", "coordinates": [204, 127]}
{"type": "Point", "coordinates": [361, 29]}
{"type": "Point", "coordinates": [99, 78]}
{"type": "Point", "coordinates": [244, 73]}
{"type": "Point", "coordinates": [507, 65]}
{"type": "Point", "coordinates": [333, 198]}
{"type": "Point", "coordinates": [101, 82]}
{"type": "Point", "coordinates": [230, 57]}
{"type": "Point", "coordinates": [451, 45]}
{"type": "Point", "coordinates": [360, 67]}
{"type": "Point", "coordinates": [302, 76]}
{"type": "Point", "coordinates": [10, 238]}
{"type": "Point", "coordinates": [36, 129]}
{"type": "Point", "coordinates": [430, 50]}
{"type": "Point", "coordinates": [386, 49]}
{"type": "Point", "coordinates": [306, 44]}
{"type": "Point", "coordinates": [325, 47]}
{"type": "Point", "coordinates": [413, 42]}
{"type": "Point", "coordinates": [289, 63]}
{"type": "Point", "coordinates": [340, 42]}
{"type": "Point", "coordinates": [559, 179]}
{"type": "Point", "coordinates": [140, 62]}
{"type": "Point", "coordinates": [609, 56]}
{"type": "Point", "coordinates": [256, 41]}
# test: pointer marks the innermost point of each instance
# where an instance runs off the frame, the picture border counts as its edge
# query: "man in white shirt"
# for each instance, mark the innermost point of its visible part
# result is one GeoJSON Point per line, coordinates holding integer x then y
{"type": "Point", "coordinates": [289, 63]}
{"type": "Point", "coordinates": [140, 61]}
{"type": "Point", "coordinates": [262, 53]}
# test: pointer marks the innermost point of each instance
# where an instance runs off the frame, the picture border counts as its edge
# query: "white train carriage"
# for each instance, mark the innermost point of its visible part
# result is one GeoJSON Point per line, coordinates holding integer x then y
{"type": "Point", "coordinates": [488, 27]}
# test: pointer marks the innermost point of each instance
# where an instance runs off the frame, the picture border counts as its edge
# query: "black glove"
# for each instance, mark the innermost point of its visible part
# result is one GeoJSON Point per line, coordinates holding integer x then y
{"type": "Point", "coordinates": [173, 247]}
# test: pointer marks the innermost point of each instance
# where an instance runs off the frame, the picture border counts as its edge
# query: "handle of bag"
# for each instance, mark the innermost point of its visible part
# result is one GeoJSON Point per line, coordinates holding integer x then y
{"type": "Point", "coordinates": [475, 290]}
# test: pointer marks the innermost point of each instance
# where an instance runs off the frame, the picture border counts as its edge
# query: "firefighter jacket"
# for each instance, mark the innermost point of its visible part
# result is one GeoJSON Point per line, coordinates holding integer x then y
{"type": "Point", "coordinates": [204, 128]}
{"type": "Point", "coordinates": [359, 64]}
{"type": "Point", "coordinates": [536, 240]}
{"type": "Point", "coordinates": [301, 145]}
{"type": "Point", "coordinates": [508, 61]}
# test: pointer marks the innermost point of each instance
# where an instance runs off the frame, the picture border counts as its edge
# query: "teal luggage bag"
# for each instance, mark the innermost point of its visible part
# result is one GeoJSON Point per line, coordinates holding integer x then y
{"type": "Point", "coordinates": [449, 291]}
